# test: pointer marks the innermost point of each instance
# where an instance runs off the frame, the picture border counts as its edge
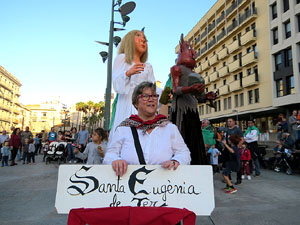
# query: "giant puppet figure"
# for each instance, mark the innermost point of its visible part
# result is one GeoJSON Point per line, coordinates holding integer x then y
{"type": "Point", "coordinates": [188, 91]}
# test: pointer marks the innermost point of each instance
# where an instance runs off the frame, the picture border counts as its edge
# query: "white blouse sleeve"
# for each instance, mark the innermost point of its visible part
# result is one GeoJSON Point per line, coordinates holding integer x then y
{"type": "Point", "coordinates": [181, 151]}
{"type": "Point", "coordinates": [114, 148]}
{"type": "Point", "coordinates": [151, 77]}
{"type": "Point", "coordinates": [121, 82]}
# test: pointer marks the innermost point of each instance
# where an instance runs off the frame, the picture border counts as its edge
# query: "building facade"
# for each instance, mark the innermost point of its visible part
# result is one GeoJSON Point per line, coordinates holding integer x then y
{"type": "Point", "coordinates": [9, 99]}
{"type": "Point", "coordinates": [284, 20]}
{"type": "Point", "coordinates": [232, 43]}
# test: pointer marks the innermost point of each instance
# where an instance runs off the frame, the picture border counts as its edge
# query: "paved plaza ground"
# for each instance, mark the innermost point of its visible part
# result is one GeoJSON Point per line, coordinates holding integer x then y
{"type": "Point", "coordinates": [27, 194]}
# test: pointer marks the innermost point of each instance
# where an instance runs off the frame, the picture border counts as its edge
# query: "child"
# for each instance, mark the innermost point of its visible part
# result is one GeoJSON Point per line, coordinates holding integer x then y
{"type": "Point", "coordinates": [5, 150]}
{"type": "Point", "coordinates": [234, 161]}
{"type": "Point", "coordinates": [214, 155]}
{"type": "Point", "coordinates": [25, 150]}
{"type": "Point", "coordinates": [45, 149]}
{"type": "Point", "coordinates": [245, 156]}
{"type": "Point", "coordinates": [31, 152]}
{"type": "Point", "coordinates": [94, 151]}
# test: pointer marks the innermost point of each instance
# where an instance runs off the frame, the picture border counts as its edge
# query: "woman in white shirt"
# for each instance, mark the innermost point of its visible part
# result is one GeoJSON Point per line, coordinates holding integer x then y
{"type": "Point", "coordinates": [129, 70]}
{"type": "Point", "coordinates": [160, 140]}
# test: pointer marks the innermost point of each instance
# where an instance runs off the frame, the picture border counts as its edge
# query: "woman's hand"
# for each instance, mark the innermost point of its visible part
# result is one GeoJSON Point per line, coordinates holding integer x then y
{"type": "Point", "coordinates": [120, 167]}
{"type": "Point", "coordinates": [135, 69]}
{"type": "Point", "coordinates": [171, 164]}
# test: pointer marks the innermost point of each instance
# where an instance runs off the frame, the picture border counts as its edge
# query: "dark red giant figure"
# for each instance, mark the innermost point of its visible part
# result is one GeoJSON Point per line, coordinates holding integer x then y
{"type": "Point", "coordinates": [188, 91]}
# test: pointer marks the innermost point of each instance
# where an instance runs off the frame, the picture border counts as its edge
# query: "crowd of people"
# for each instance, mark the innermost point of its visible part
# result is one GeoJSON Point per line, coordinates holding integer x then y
{"type": "Point", "coordinates": [136, 125]}
{"type": "Point", "coordinates": [231, 150]}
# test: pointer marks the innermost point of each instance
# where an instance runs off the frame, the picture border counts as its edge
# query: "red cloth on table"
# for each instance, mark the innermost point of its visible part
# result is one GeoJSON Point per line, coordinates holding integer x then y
{"type": "Point", "coordinates": [131, 216]}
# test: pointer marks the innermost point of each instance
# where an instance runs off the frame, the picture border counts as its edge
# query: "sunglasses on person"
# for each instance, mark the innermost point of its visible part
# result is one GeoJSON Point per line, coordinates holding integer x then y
{"type": "Point", "coordinates": [146, 97]}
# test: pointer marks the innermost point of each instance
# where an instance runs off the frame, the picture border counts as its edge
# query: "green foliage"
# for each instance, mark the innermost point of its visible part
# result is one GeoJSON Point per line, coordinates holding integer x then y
{"type": "Point", "coordinates": [92, 112]}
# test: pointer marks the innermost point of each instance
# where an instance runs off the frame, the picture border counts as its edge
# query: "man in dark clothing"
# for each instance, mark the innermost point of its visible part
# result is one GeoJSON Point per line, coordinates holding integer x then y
{"type": "Point", "coordinates": [232, 128]}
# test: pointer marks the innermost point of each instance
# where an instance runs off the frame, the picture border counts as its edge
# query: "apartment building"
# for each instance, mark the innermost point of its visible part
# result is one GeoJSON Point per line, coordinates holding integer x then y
{"type": "Point", "coordinates": [232, 42]}
{"type": "Point", "coordinates": [9, 99]}
{"type": "Point", "coordinates": [284, 20]}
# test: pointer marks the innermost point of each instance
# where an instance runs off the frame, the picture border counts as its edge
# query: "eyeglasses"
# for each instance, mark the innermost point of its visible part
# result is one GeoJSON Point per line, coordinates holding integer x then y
{"type": "Point", "coordinates": [146, 97]}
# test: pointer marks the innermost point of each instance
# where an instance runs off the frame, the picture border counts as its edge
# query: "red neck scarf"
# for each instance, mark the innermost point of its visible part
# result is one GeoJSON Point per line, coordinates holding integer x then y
{"type": "Point", "coordinates": [136, 121]}
{"type": "Point", "coordinates": [148, 122]}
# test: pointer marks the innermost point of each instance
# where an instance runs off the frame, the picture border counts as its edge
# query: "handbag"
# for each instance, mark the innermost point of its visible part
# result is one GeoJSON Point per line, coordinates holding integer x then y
{"type": "Point", "coordinates": [138, 146]}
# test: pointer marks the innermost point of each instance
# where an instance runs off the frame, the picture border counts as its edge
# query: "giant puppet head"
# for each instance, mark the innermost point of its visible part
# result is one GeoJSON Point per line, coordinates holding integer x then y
{"type": "Point", "coordinates": [186, 54]}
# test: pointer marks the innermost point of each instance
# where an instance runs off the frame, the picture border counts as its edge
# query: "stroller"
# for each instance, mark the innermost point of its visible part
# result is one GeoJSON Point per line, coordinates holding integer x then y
{"type": "Point", "coordinates": [56, 152]}
{"type": "Point", "coordinates": [283, 161]}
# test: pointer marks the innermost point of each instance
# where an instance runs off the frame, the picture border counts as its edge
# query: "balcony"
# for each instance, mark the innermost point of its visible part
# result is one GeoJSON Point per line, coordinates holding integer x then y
{"type": "Point", "coordinates": [223, 53]}
{"type": "Point", "coordinates": [248, 14]}
{"type": "Point", "coordinates": [224, 90]}
{"type": "Point", "coordinates": [235, 45]}
{"type": "Point", "coordinates": [248, 37]}
{"type": "Point", "coordinates": [221, 35]}
{"type": "Point", "coordinates": [16, 111]}
{"type": "Point", "coordinates": [211, 43]}
{"type": "Point", "coordinates": [213, 60]}
{"type": "Point", "coordinates": [7, 96]}
{"type": "Point", "coordinates": [220, 18]}
{"type": "Point", "coordinates": [197, 40]}
{"type": "Point", "coordinates": [231, 8]}
{"type": "Point", "coordinates": [223, 72]}
{"type": "Point", "coordinates": [211, 26]}
{"type": "Point", "coordinates": [198, 69]}
{"type": "Point", "coordinates": [205, 65]}
{"type": "Point", "coordinates": [235, 65]}
{"type": "Point", "coordinates": [206, 79]}
{"type": "Point", "coordinates": [202, 35]}
{"type": "Point", "coordinates": [249, 58]}
{"type": "Point", "coordinates": [235, 85]}
{"type": "Point", "coordinates": [250, 80]}
{"type": "Point", "coordinates": [214, 76]}
{"type": "Point", "coordinates": [204, 49]}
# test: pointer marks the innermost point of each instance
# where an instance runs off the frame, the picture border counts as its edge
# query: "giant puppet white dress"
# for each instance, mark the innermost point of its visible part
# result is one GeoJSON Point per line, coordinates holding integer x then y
{"type": "Point", "coordinates": [124, 87]}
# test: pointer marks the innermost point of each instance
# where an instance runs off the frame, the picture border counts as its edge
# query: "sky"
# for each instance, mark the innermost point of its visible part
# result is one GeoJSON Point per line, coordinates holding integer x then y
{"type": "Point", "coordinates": [50, 45]}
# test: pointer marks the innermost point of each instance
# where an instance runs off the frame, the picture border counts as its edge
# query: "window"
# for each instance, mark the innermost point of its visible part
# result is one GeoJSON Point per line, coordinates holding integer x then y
{"type": "Point", "coordinates": [249, 71]}
{"type": "Point", "coordinates": [288, 57]}
{"type": "Point", "coordinates": [215, 86]}
{"type": "Point", "coordinates": [235, 57]}
{"type": "Point", "coordinates": [224, 82]}
{"type": "Point", "coordinates": [274, 11]}
{"type": "Point", "coordinates": [290, 85]}
{"type": "Point", "coordinates": [287, 29]}
{"type": "Point", "coordinates": [278, 61]}
{"type": "Point", "coordinates": [225, 103]}
{"type": "Point", "coordinates": [250, 97]}
{"type": "Point", "coordinates": [255, 70]}
{"type": "Point", "coordinates": [236, 101]}
{"type": "Point", "coordinates": [286, 5]}
{"type": "Point", "coordinates": [247, 29]}
{"type": "Point", "coordinates": [298, 21]}
{"type": "Point", "coordinates": [224, 63]}
{"type": "Point", "coordinates": [254, 48]}
{"type": "Point", "coordinates": [279, 88]}
{"type": "Point", "coordinates": [219, 105]}
{"type": "Point", "coordinates": [248, 50]}
{"type": "Point", "coordinates": [235, 77]}
{"type": "Point", "coordinates": [297, 1]}
{"type": "Point", "coordinates": [229, 102]}
{"type": "Point", "coordinates": [242, 99]}
{"type": "Point", "coordinates": [275, 35]}
{"type": "Point", "coordinates": [256, 95]}
{"type": "Point", "coordinates": [44, 114]}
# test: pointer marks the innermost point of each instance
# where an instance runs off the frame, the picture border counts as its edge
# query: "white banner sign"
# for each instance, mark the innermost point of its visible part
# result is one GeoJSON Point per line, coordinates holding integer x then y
{"type": "Point", "coordinates": [96, 186]}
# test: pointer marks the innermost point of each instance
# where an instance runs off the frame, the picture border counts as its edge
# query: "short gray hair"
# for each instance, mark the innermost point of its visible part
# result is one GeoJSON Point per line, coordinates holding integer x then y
{"type": "Point", "coordinates": [139, 90]}
{"type": "Point", "coordinates": [206, 120]}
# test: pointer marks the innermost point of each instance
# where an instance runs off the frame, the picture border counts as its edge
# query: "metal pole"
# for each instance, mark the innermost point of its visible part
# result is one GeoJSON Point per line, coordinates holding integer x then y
{"type": "Point", "coordinates": [109, 71]}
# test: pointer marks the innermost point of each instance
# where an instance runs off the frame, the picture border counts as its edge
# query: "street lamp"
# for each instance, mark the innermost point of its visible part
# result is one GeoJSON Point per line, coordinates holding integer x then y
{"type": "Point", "coordinates": [124, 10]}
